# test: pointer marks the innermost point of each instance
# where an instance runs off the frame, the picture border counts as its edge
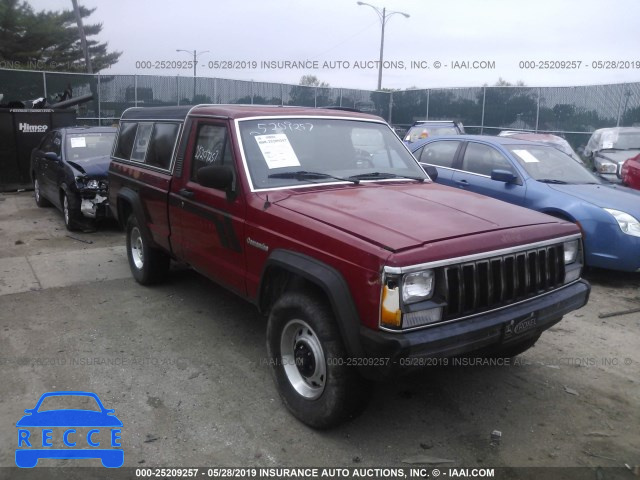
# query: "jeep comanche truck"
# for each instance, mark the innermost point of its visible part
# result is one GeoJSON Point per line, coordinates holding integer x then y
{"type": "Point", "coordinates": [326, 222]}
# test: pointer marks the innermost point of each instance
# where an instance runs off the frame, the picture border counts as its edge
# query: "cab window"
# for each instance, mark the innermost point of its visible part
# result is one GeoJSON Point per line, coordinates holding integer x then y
{"type": "Point", "coordinates": [212, 148]}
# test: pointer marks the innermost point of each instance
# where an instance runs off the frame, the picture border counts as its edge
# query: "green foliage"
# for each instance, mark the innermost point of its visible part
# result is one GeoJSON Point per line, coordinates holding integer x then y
{"type": "Point", "coordinates": [49, 40]}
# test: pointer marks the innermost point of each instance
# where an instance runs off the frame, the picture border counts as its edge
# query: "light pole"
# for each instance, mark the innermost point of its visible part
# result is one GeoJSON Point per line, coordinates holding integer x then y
{"type": "Point", "coordinates": [384, 17]}
{"type": "Point", "coordinates": [195, 64]}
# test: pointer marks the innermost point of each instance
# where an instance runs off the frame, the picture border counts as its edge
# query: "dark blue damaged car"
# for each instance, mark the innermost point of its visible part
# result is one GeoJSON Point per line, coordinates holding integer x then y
{"type": "Point", "coordinates": [69, 170]}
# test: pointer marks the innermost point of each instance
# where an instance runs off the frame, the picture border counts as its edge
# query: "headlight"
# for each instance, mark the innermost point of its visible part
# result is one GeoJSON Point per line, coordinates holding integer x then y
{"type": "Point", "coordinates": [571, 251]}
{"type": "Point", "coordinates": [92, 184]}
{"type": "Point", "coordinates": [627, 223]}
{"type": "Point", "coordinates": [417, 286]}
{"type": "Point", "coordinates": [606, 167]}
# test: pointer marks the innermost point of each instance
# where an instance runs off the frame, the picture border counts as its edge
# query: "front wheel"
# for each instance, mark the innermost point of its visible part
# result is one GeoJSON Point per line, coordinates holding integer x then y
{"type": "Point", "coordinates": [309, 362]}
{"type": "Point", "coordinates": [71, 216]}
{"type": "Point", "coordinates": [148, 265]}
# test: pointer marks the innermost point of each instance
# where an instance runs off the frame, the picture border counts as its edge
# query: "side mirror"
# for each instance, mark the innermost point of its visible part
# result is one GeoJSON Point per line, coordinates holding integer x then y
{"type": "Point", "coordinates": [503, 176]}
{"type": "Point", "coordinates": [431, 171]}
{"type": "Point", "coordinates": [215, 176]}
{"type": "Point", "coordinates": [53, 156]}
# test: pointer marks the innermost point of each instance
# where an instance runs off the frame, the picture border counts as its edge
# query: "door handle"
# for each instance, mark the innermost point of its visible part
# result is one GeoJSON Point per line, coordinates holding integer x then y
{"type": "Point", "coordinates": [462, 183]}
{"type": "Point", "coordinates": [183, 192]}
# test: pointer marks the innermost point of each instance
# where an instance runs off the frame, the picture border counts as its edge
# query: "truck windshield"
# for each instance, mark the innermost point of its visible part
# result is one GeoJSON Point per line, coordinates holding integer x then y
{"type": "Point", "coordinates": [333, 149]}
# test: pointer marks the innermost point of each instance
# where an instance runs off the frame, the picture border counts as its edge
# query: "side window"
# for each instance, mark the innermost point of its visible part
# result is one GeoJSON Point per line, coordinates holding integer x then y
{"type": "Point", "coordinates": [57, 143]}
{"type": "Point", "coordinates": [440, 154]}
{"type": "Point", "coordinates": [125, 140]}
{"type": "Point", "coordinates": [46, 145]}
{"type": "Point", "coordinates": [142, 142]}
{"type": "Point", "coordinates": [483, 159]}
{"type": "Point", "coordinates": [212, 148]}
{"type": "Point", "coordinates": [163, 140]}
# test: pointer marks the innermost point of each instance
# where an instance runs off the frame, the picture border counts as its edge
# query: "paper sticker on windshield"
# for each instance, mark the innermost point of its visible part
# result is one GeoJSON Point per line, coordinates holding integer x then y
{"type": "Point", "coordinates": [78, 142]}
{"type": "Point", "coordinates": [277, 151]}
{"type": "Point", "coordinates": [526, 156]}
{"type": "Point", "coordinates": [606, 145]}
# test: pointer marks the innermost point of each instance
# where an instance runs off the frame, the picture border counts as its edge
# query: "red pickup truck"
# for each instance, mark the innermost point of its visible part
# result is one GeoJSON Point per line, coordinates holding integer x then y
{"type": "Point", "coordinates": [324, 220]}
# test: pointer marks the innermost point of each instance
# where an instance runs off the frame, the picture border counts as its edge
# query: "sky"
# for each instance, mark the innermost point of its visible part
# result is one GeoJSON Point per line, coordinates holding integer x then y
{"type": "Point", "coordinates": [460, 43]}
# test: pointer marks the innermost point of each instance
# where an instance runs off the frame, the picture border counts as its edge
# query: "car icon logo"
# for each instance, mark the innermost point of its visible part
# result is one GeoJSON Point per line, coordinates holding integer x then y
{"type": "Point", "coordinates": [69, 433]}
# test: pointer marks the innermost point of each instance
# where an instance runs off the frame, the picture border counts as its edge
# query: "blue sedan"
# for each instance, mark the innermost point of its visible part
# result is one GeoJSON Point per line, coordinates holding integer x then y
{"type": "Point", "coordinates": [542, 178]}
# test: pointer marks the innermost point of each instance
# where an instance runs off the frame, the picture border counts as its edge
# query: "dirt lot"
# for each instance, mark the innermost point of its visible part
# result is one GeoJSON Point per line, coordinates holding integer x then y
{"type": "Point", "coordinates": [183, 365]}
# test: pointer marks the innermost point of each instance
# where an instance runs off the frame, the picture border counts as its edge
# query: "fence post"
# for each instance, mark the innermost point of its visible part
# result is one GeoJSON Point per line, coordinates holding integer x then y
{"type": "Point", "coordinates": [390, 107]}
{"type": "Point", "coordinates": [177, 91]}
{"type": "Point", "coordinates": [428, 97]}
{"type": "Point", "coordinates": [315, 97]}
{"type": "Point", "coordinates": [484, 99]}
{"type": "Point", "coordinates": [251, 92]}
{"type": "Point", "coordinates": [99, 100]}
{"type": "Point", "coordinates": [215, 90]}
{"type": "Point", "coordinates": [538, 111]}
{"type": "Point", "coordinates": [135, 90]}
{"type": "Point", "coordinates": [340, 97]}
{"type": "Point", "coordinates": [282, 94]}
{"type": "Point", "coordinates": [620, 104]}
{"type": "Point", "coordinates": [44, 83]}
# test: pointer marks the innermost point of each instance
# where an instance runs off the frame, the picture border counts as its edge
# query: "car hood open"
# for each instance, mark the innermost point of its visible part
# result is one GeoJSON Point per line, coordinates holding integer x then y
{"type": "Point", "coordinates": [400, 216]}
{"type": "Point", "coordinates": [618, 156]}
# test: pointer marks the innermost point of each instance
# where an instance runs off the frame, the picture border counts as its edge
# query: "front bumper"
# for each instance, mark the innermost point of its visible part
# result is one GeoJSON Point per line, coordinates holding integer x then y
{"type": "Point", "coordinates": [390, 353]}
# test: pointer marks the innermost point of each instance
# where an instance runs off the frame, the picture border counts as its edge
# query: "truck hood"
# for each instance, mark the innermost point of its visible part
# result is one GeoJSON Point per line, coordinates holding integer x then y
{"type": "Point", "coordinates": [611, 196]}
{"type": "Point", "coordinates": [397, 217]}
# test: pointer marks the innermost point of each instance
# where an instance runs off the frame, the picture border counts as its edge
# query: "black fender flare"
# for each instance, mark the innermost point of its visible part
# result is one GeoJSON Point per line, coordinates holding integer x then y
{"type": "Point", "coordinates": [332, 284]}
{"type": "Point", "coordinates": [132, 198]}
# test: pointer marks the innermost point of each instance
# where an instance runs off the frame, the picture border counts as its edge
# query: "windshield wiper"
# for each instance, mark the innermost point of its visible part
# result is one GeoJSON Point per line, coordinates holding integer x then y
{"type": "Point", "coordinates": [302, 175]}
{"type": "Point", "coordinates": [383, 175]}
{"type": "Point", "coordinates": [552, 180]}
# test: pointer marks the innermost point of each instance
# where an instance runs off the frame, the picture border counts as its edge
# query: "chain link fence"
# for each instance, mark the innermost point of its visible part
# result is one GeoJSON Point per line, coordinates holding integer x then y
{"type": "Point", "coordinates": [570, 111]}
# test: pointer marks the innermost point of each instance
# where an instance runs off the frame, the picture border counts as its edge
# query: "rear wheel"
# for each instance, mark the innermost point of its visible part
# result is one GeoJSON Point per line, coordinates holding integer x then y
{"type": "Point", "coordinates": [148, 265]}
{"type": "Point", "coordinates": [309, 362]}
{"type": "Point", "coordinates": [40, 200]}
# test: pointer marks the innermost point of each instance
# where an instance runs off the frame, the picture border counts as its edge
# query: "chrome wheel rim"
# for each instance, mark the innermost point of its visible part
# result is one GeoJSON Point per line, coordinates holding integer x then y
{"type": "Point", "coordinates": [136, 247]}
{"type": "Point", "coordinates": [65, 209]}
{"type": "Point", "coordinates": [36, 188]}
{"type": "Point", "coordinates": [303, 359]}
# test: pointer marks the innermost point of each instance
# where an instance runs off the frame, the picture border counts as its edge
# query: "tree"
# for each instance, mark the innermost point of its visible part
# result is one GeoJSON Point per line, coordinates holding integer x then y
{"type": "Point", "coordinates": [310, 92]}
{"type": "Point", "coordinates": [49, 40]}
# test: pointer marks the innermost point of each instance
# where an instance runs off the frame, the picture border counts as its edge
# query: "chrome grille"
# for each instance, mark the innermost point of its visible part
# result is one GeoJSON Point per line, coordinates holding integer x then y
{"type": "Point", "coordinates": [490, 283]}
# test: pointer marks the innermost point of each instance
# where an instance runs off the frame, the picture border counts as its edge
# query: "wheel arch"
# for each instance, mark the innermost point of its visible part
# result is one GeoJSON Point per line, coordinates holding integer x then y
{"type": "Point", "coordinates": [290, 270]}
{"type": "Point", "coordinates": [129, 202]}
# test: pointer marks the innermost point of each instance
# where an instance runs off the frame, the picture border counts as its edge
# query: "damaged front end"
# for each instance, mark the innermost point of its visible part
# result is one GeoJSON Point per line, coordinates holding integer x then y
{"type": "Point", "coordinates": [93, 197]}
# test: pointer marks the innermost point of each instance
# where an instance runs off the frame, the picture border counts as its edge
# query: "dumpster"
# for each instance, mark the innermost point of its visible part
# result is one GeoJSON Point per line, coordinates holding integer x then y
{"type": "Point", "coordinates": [21, 130]}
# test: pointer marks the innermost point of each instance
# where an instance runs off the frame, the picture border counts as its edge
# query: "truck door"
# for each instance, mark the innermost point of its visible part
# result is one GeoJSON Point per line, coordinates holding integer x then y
{"type": "Point", "coordinates": [207, 223]}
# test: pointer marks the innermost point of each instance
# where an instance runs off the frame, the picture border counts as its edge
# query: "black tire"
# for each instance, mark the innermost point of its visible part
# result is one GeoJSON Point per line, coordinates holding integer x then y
{"type": "Point", "coordinates": [148, 265]}
{"type": "Point", "coordinates": [71, 217]}
{"type": "Point", "coordinates": [512, 350]}
{"type": "Point", "coordinates": [40, 200]}
{"type": "Point", "coordinates": [327, 391]}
